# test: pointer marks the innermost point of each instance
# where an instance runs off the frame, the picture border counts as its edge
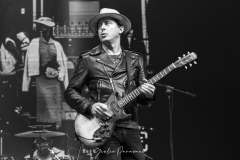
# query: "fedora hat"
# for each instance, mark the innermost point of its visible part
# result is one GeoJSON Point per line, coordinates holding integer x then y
{"type": "Point", "coordinates": [45, 21]}
{"type": "Point", "coordinates": [108, 12]}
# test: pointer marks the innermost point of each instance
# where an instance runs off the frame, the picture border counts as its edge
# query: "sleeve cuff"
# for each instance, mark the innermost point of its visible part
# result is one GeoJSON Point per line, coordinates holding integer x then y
{"type": "Point", "coordinates": [88, 111]}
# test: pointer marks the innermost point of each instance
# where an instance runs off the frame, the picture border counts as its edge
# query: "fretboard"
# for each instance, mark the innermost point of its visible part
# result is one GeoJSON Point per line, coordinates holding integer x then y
{"type": "Point", "coordinates": [132, 95]}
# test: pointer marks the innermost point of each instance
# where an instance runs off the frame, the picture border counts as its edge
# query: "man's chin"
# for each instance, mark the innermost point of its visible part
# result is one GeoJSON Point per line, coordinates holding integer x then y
{"type": "Point", "coordinates": [105, 39]}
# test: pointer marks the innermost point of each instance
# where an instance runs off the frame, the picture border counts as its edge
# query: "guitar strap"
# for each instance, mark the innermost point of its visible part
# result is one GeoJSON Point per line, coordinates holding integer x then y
{"type": "Point", "coordinates": [128, 60]}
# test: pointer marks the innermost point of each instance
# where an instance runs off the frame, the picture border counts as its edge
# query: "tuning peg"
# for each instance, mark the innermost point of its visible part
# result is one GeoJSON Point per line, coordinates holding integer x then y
{"type": "Point", "coordinates": [190, 64]}
{"type": "Point", "coordinates": [179, 57]}
{"type": "Point", "coordinates": [183, 55]}
{"type": "Point", "coordinates": [195, 62]}
{"type": "Point", "coordinates": [185, 67]}
{"type": "Point", "coordinates": [188, 52]}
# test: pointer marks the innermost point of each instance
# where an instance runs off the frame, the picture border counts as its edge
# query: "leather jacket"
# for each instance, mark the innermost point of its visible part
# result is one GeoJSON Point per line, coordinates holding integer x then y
{"type": "Point", "coordinates": [95, 69]}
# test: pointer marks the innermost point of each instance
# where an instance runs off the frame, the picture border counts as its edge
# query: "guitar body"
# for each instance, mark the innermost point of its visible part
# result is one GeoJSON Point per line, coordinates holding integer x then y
{"type": "Point", "coordinates": [93, 131]}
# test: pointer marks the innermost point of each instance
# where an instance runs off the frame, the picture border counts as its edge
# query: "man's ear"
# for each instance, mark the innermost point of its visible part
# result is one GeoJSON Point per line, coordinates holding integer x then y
{"type": "Point", "coordinates": [121, 29]}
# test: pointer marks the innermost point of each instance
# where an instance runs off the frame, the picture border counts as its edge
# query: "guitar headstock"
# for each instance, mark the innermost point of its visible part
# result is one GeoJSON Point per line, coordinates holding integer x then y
{"type": "Point", "coordinates": [185, 60]}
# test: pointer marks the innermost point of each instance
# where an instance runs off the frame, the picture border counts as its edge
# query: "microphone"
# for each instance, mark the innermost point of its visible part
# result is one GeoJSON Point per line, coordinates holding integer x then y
{"type": "Point", "coordinates": [143, 128]}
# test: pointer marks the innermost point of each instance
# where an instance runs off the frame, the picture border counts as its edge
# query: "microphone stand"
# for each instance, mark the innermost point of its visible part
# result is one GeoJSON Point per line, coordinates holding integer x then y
{"type": "Point", "coordinates": [172, 88]}
{"type": "Point", "coordinates": [1, 145]}
{"type": "Point", "coordinates": [169, 93]}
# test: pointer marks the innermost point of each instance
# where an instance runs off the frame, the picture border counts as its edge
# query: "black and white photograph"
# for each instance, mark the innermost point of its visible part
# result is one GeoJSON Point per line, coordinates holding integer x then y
{"type": "Point", "coordinates": [119, 79]}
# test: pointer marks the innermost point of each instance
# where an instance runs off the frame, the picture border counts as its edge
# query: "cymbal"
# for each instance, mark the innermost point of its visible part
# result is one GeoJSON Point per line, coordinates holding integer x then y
{"type": "Point", "coordinates": [40, 126]}
{"type": "Point", "coordinates": [40, 133]}
{"type": "Point", "coordinates": [2, 134]}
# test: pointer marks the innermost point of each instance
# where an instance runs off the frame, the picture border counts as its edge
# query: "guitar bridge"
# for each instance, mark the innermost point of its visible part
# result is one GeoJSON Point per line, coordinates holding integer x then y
{"type": "Point", "coordinates": [102, 133]}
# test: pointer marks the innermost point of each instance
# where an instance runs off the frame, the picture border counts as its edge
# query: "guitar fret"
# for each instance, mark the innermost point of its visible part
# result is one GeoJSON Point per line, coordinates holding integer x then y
{"type": "Point", "coordinates": [123, 103]}
{"type": "Point", "coordinates": [134, 93]}
{"type": "Point", "coordinates": [128, 100]}
{"type": "Point", "coordinates": [138, 92]}
{"type": "Point", "coordinates": [154, 79]}
{"type": "Point", "coordinates": [173, 65]}
{"type": "Point", "coordinates": [132, 96]}
{"type": "Point", "coordinates": [161, 74]}
{"type": "Point", "coordinates": [150, 81]}
{"type": "Point", "coordinates": [157, 76]}
{"type": "Point", "coordinates": [165, 71]}
{"type": "Point", "coordinates": [120, 103]}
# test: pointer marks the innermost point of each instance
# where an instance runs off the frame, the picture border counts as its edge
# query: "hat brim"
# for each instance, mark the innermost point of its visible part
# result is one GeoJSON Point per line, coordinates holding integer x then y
{"type": "Point", "coordinates": [48, 23]}
{"type": "Point", "coordinates": [121, 18]}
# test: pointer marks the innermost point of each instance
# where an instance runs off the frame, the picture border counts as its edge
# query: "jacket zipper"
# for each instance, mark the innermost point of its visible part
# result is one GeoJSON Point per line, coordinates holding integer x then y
{"type": "Point", "coordinates": [98, 89]}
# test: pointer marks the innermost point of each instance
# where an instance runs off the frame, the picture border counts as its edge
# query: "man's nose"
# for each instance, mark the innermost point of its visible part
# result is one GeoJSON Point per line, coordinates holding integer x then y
{"type": "Point", "coordinates": [102, 27]}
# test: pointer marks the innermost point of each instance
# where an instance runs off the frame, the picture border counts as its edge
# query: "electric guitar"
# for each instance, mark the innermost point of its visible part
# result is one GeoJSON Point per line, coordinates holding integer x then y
{"type": "Point", "coordinates": [94, 132]}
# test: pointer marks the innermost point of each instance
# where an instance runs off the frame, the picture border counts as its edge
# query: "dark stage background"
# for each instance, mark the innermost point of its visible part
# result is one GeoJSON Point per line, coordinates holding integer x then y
{"type": "Point", "coordinates": [205, 127]}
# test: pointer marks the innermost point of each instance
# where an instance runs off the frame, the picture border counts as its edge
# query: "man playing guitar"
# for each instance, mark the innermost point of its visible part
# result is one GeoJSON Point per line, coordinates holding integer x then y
{"type": "Point", "coordinates": [104, 70]}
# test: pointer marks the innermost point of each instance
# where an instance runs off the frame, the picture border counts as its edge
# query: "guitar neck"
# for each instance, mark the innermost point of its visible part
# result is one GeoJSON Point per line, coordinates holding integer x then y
{"type": "Point", "coordinates": [132, 95]}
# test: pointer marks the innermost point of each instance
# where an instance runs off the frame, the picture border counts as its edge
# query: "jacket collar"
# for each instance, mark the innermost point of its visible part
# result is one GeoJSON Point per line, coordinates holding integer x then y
{"type": "Point", "coordinates": [103, 56]}
{"type": "Point", "coordinates": [97, 50]}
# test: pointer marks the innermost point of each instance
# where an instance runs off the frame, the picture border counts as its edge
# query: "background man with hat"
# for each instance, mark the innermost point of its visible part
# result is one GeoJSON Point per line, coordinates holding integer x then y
{"type": "Point", "coordinates": [46, 61]}
{"type": "Point", "coordinates": [103, 69]}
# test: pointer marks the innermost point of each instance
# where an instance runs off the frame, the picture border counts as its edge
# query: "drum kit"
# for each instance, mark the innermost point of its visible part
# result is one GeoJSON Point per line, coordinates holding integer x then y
{"type": "Point", "coordinates": [39, 132]}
